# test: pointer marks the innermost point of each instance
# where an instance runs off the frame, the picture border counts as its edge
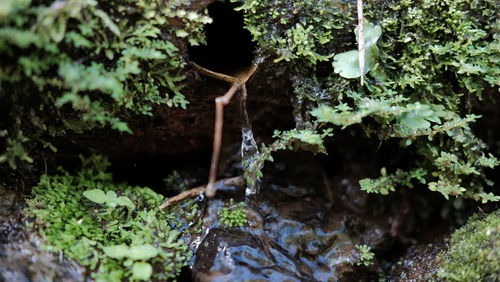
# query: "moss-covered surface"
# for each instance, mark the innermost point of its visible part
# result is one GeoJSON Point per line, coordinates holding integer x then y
{"type": "Point", "coordinates": [305, 31]}
{"type": "Point", "coordinates": [119, 236]}
{"type": "Point", "coordinates": [474, 251]}
{"type": "Point", "coordinates": [429, 64]}
{"type": "Point", "coordinates": [71, 66]}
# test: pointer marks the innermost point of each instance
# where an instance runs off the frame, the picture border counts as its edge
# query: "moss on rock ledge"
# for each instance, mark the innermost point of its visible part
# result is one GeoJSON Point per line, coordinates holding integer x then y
{"type": "Point", "coordinates": [74, 65]}
{"type": "Point", "coordinates": [432, 64]}
{"type": "Point", "coordinates": [116, 230]}
{"type": "Point", "coordinates": [474, 252]}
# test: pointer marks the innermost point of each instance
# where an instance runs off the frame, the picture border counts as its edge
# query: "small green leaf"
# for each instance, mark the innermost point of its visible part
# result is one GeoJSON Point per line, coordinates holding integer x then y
{"type": "Point", "coordinates": [142, 270]}
{"type": "Point", "coordinates": [96, 196]}
{"type": "Point", "coordinates": [117, 251]}
{"type": "Point", "coordinates": [372, 33]}
{"type": "Point", "coordinates": [126, 202]}
{"type": "Point", "coordinates": [347, 64]}
{"type": "Point", "coordinates": [111, 195]}
{"type": "Point", "coordinates": [412, 121]}
{"type": "Point", "coordinates": [142, 252]}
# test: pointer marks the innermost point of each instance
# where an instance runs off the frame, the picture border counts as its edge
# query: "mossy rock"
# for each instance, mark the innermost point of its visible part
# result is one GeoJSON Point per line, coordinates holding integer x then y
{"type": "Point", "coordinates": [474, 251]}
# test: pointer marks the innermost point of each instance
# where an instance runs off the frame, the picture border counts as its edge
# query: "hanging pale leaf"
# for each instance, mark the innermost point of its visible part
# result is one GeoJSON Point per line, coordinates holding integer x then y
{"type": "Point", "coordinates": [372, 33]}
{"type": "Point", "coordinates": [347, 64]}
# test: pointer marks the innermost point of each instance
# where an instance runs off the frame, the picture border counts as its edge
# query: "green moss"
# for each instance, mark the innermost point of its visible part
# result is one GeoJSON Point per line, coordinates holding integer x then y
{"type": "Point", "coordinates": [428, 62]}
{"type": "Point", "coordinates": [303, 31]}
{"type": "Point", "coordinates": [474, 252]}
{"type": "Point", "coordinates": [233, 215]}
{"type": "Point", "coordinates": [91, 62]}
{"type": "Point", "coordinates": [430, 46]}
{"type": "Point", "coordinates": [116, 230]}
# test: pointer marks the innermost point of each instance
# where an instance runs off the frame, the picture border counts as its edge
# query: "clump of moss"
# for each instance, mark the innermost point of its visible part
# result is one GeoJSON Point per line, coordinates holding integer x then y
{"type": "Point", "coordinates": [474, 252]}
{"type": "Point", "coordinates": [233, 215]}
{"type": "Point", "coordinates": [70, 66]}
{"type": "Point", "coordinates": [116, 230]}
{"type": "Point", "coordinates": [304, 31]}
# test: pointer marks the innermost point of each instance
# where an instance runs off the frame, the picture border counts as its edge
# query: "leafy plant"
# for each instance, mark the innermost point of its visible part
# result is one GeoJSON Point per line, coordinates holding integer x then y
{"type": "Point", "coordinates": [83, 217]}
{"type": "Point", "coordinates": [347, 64]}
{"type": "Point", "coordinates": [233, 215]}
{"type": "Point", "coordinates": [72, 66]}
{"type": "Point", "coordinates": [429, 63]}
{"type": "Point", "coordinates": [365, 255]}
{"type": "Point", "coordinates": [109, 198]}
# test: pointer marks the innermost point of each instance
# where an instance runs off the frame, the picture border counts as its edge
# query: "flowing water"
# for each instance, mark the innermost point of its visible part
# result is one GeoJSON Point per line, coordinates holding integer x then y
{"type": "Point", "coordinates": [249, 149]}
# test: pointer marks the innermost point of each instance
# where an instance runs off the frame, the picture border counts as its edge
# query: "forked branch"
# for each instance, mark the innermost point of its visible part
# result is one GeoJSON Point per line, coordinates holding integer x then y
{"type": "Point", "coordinates": [236, 83]}
{"type": "Point", "coordinates": [220, 102]}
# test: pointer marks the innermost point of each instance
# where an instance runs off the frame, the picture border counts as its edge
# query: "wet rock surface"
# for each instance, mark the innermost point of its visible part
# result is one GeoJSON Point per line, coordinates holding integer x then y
{"type": "Point", "coordinates": [21, 255]}
{"type": "Point", "coordinates": [288, 239]}
{"type": "Point", "coordinates": [418, 264]}
{"type": "Point", "coordinates": [295, 233]}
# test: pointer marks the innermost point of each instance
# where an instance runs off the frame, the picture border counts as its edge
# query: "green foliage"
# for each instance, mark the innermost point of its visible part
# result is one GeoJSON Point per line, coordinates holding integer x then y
{"type": "Point", "coordinates": [412, 122]}
{"type": "Point", "coordinates": [90, 62]}
{"type": "Point", "coordinates": [109, 198]}
{"type": "Point", "coordinates": [115, 230]}
{"type": "Point", "coordinates": [305, 139]}
{"type": "Point", "coordinates": [387, 183]}
{"type": "Point", "coordinates": [365, 255]}
{"type": "Point", "coordinates": [295, 30]}
{"type": "Point", "coordinates": [440, 40]}
{"type": "Point", "coordinates": [233, 215]}
{"type": "Point", "coordinates": [427, 60]}
{"type": "Point", "coordinates": [14, 150]}
{"type": "Point", "coordinates": [347, 64]}
{"type": "Point", "coordinates": [474, 251]}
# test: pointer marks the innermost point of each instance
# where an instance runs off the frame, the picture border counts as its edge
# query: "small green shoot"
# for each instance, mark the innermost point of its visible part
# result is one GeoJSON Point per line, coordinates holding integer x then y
{"type": "Point", "coordinates": [233, 215]}
{"type": "Point", "coordinates": [365, 255]}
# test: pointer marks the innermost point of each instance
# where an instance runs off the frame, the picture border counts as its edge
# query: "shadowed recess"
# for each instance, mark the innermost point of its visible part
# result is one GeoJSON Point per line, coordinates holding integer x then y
{"type": "Point", "coordinates": [229, 46]}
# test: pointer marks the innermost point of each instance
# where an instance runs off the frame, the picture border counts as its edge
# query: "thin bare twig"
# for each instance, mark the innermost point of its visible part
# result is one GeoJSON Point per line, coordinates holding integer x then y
{"type": "Point", "coordinates": [216, 75]}
{"type": "Point", "coordinates": [361, 41]}
{"type": "Point", "coordinates": [220, 102]}
{"type": "Point", "coordinates": [236, 83]}
{"type": "Point", "coordinates": [233, 181]}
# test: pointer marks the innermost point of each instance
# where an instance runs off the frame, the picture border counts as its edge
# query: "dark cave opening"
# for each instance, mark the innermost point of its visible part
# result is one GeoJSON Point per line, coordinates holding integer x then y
{"type": "Point", "coordinates": [229, 47]}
